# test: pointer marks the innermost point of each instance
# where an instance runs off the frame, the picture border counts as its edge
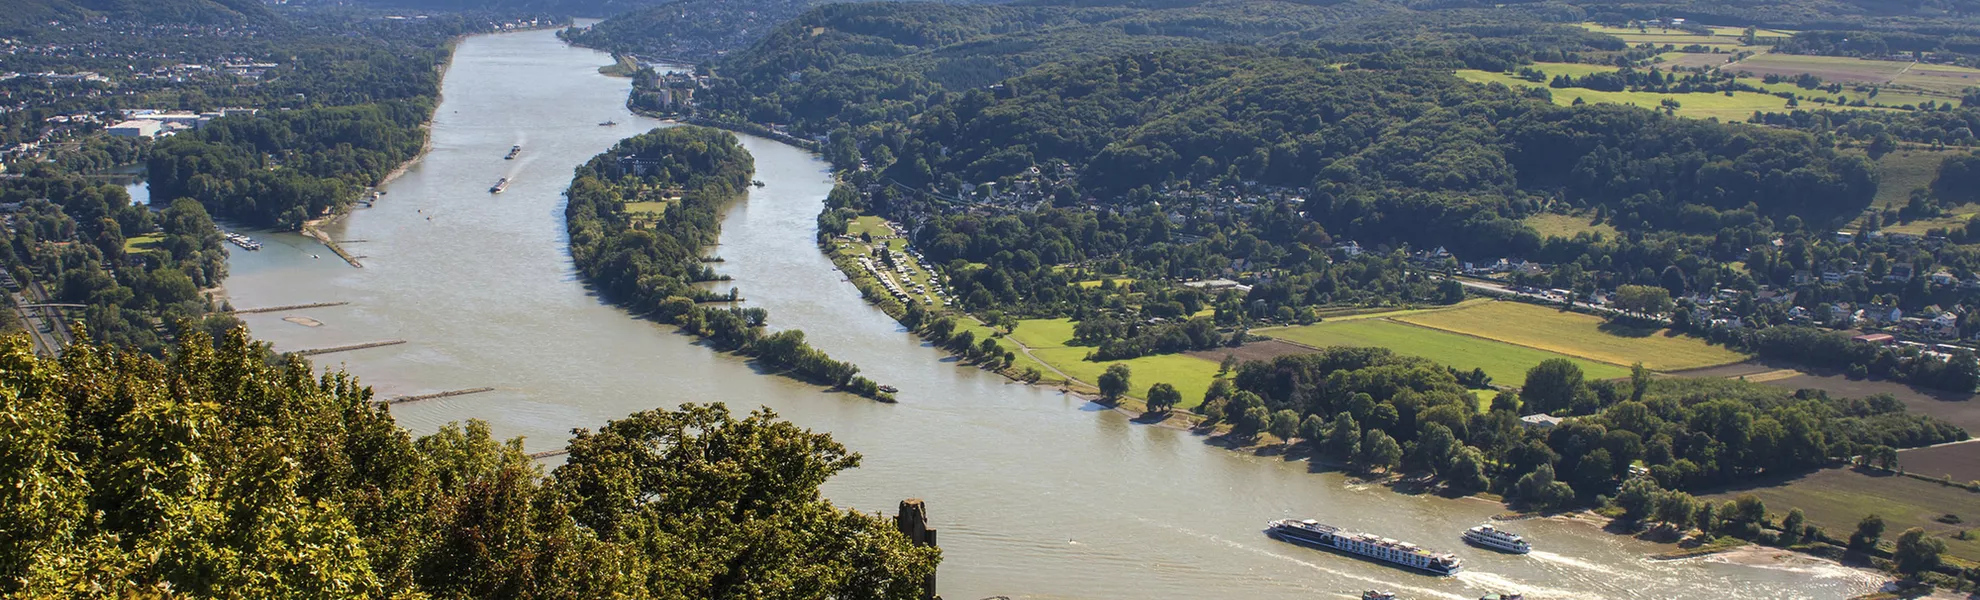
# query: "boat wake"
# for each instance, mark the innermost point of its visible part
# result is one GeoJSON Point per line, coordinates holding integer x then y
{"type": "Point", "coordinates": [1499, 584]}
{"type": "Point", "coordinates": [1577, 563]}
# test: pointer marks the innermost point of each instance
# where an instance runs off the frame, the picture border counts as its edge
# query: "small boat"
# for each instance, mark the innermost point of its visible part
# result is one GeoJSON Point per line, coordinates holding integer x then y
{"type": "Point", "coordinates": [608, 123]}
{"type": "Point", "coordinates": [499, 186]}
{"type": "Point", "coordinates": [889, 389]}
{"type": "Point", "coordinates": [1502, 597]}
{"type": "Point", "coordinates": [1378, 595]}
{"type": "Point", "coordinates": [513, 151]}
{"type": "Point", "coordinates": [1490, 537]}
{"type": "Point", "coordinates": [756, 182]}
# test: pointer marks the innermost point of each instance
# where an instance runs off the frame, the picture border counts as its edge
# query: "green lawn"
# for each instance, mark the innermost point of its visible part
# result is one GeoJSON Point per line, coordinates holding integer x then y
{"type": "Point", "coordinates": [1506, 363]}
{"type": "Point", "coordinates": [1579, 335]}
{"type": "Point", "coordinates": [1047, 339]}
{"type": "Point", "coordinates": [1044, 333]}
{"type": "Point", "coordinates": [1190, 375]}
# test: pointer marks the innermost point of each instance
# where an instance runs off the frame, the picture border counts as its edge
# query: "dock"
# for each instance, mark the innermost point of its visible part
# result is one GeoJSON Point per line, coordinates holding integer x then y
{"type": "Point", "coordinates": [550, 453]}
{"type": "Point", "coordinates": [270, 309]}
{"type": "Point", "coordinates": [332, 349]}
{"type": "Point", "coordinates": [435, 396]}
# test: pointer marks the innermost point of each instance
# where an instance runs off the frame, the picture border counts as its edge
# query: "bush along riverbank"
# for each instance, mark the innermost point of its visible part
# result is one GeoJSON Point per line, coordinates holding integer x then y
{"type": "Point", "coordinates": [640, 215]}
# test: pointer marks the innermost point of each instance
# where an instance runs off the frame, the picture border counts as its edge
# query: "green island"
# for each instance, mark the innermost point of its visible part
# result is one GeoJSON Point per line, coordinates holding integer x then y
{"type": "Point", "coordinates": [639, 216]}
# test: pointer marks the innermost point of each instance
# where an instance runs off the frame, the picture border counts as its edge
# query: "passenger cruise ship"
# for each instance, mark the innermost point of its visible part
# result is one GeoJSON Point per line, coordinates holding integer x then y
{"type": "Point", "coordinates": [1490, 537]}
{"type": "Point", "coordinates": [1313, 533]}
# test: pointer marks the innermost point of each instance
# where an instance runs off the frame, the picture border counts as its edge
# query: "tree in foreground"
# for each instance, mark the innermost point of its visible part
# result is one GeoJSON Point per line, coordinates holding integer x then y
{"type": "Point", "coordinates": [223, 471]}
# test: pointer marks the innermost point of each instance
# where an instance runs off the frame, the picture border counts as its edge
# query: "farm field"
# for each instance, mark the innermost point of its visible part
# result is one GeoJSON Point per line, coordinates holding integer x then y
{"type": "Point", "coordinates": [1566, 226]}
{"type": "Point", "coordinates": [1835, 499]}
{"type": "Point", "coordinates": [1736, 107]}
{"type": "Point", "coordinates": [1956, 408]}
{"type": "Point", "coordinates": [1829, 68]}
{"type": "Point", "coordinates": [1506, 363]}
{"type": "Point", "coordinates": [1945, 79]}
{"type": "Point", "coordinates": [1693, 59]}
{"type": "Point", "coordinates": [1575, 334]}
{"type": "Point", "coordinates": [1961, 461]}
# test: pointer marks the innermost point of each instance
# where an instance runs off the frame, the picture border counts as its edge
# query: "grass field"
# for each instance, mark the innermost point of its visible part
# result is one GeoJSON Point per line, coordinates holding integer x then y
{"type": "Point", "coordinates": [1506, 363]}
{"type": "Point", "coordinates": [1835, 499]}
{"type": "Point", "coordinates": [1566, 226]}
{"type": "Point", "coordinates": [650, 208]}
{"type": "Point", "coordinates": [1094, 283]}
{"type": "Point", "coordinates": [1900, 172]}
{"type": "Point", "coordinates": [869, 225]}
{"type": "Point", "coordinates": [1577, 335]}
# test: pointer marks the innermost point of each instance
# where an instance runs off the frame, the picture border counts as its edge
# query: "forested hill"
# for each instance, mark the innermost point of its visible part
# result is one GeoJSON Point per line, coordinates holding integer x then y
{"type": "Point", "coordinates": [1387, 152]}
{"type": "Point", "coordinates": [27, 13]}
{"type": "Point", "coordinates": [694, 31]}
{"type": "Point", "coordinates": [1389, 144]}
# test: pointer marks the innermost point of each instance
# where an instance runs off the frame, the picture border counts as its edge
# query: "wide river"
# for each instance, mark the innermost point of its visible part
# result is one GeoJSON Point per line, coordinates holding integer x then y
{"type": "Point", "coordinates": [1037, 494]}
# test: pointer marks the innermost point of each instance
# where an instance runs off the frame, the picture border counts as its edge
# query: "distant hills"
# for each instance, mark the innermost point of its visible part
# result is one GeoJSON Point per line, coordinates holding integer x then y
{"type": "Point", "coordinates": [30, 13]}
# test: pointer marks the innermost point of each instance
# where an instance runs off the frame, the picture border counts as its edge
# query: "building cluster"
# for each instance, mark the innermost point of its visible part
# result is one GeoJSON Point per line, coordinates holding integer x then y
{"type": "Point", "coordinates": [151, 123]}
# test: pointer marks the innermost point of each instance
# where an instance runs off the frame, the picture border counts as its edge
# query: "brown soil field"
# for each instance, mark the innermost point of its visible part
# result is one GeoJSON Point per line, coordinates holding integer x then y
{"type": "Point", "coordinates": [1959, 409]}
{"type": "Point", "coordinates": [1961, 461]}
{"type": "Point", "coordinates": [1751, 367]}
{"type": "Point", "coordinates": [1266, 350]}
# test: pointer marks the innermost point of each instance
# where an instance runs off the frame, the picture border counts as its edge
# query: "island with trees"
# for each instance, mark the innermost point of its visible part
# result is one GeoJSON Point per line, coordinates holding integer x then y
{"type": "Point", "coordinates": [639, 217]}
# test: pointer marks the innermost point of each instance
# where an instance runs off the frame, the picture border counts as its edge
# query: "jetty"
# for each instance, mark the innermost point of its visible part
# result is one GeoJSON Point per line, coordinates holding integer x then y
{"type": "Point", "coordinates": [284, 308]}
{"type": "Point", "coordinates": [332, 349]}
{"type": "Point", "coordinates": [435, 396]}
{"type": "Point", "coordinates": [550, 453]}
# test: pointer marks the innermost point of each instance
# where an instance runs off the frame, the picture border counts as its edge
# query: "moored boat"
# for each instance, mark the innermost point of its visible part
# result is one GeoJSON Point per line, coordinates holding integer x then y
{"type": "Point", "coordinates": [1313, 533]}
{"type": "Point", "coordinates": [889, 389]}
{"type": "Point", "coordinates": [1491, 537]}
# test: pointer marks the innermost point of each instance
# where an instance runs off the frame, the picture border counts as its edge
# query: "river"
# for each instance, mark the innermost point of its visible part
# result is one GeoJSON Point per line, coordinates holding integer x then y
{"type": "Point", "coordinates": [1037, 494]}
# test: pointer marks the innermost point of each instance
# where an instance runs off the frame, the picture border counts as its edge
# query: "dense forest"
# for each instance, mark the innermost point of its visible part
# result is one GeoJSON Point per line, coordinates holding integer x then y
{"type": "Point", "coordinates": [281, 169]}
{"type": "Point", "coordinates": [219, 471]}
{"type": "Point", "coordinates": [648, 256]}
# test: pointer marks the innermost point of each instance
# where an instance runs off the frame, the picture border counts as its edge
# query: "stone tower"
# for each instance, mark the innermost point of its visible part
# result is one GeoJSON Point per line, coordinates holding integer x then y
{"type": "Point", "coordinates": [913, 523]}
